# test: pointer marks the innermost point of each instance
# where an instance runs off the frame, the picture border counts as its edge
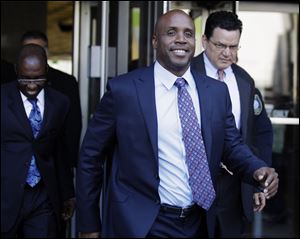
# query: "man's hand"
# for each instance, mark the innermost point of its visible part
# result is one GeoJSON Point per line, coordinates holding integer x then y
{"type": "Point", "coordinates": [268, 179]}
{"type": "Point", "coordinates": [259, 200]}
{"type": "Point", "coordinates": [68, 208]}
{"type": "Point", "coordinates": [89, 235]}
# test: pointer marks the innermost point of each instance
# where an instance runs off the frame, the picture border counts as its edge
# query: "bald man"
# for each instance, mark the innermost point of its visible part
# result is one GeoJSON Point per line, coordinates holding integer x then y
{"type": "Point", "coordinates": [145, 118]}
{"type": "Point", "coordinates": [35, 182]}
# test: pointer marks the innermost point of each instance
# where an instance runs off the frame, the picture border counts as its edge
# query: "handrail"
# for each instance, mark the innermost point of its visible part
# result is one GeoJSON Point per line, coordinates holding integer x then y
{"type": "Point", "coordinates": [284, 121]}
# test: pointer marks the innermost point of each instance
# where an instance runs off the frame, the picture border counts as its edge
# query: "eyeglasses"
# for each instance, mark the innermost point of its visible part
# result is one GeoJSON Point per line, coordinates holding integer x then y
{"type": "Point", "coordinates": [222, 47]}
{"type": "Point", "coordinates": [34, 81]}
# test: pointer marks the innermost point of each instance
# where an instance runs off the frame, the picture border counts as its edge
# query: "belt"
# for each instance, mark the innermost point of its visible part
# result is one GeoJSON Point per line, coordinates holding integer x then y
{"type": "Point", "coordinates": [180, 211]}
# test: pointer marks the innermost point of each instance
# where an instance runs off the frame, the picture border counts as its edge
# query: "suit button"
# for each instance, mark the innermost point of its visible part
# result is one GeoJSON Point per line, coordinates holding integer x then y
{"type": "Point", "coordinates": [22, 185]}
{"type": "Point", "coordinates": [156, 176]}
{"type": "Point", "coordinates": [157, 201]}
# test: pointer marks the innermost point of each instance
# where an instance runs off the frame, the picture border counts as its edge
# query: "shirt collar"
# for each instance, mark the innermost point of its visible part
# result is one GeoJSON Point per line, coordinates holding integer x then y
{"type": "Point", "coordinates": [168, 79]}
{"type": "Point", "coordinates": [211, 70]}
{"type": "Point", "coordinates": [40, 97]}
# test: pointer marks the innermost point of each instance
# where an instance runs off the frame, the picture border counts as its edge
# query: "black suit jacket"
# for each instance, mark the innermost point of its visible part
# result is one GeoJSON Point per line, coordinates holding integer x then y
{"type": "Point", "coordinates": [68, 85]}
{"type": "Point", "coordinates": [8, 73]}
{"type": "Point", "coordinates": [257, 133]}
{"type": "Point", "coordinates": [18, 145]}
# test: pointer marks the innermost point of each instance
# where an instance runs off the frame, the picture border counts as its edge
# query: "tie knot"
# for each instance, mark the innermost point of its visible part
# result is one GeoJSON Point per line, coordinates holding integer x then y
{"type": "Point", "coordinates": [180, 82]}
{"type": "Point", "coordinates": [221, 75]}
{"type": "Point", "coordinates": [32, 100]}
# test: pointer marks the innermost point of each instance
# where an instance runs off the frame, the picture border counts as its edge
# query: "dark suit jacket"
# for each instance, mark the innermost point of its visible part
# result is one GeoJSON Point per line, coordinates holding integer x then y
{"type": "Point", "coordinates": [18, 145]}
{"type": "Point", "coordinates": [257, 133]}
{"type": "Point", "coordinates": [126, 118]}
{"type": "Point", "coordinates": [68, 85]}
{"type": "Point", "coordinates": [8, 73]}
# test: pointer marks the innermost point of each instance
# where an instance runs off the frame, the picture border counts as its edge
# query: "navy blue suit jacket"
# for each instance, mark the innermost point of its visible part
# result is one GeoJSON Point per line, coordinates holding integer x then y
{"type": "Point", "coordinates": [126, 121]}
{"type": "Point", "coordinates": [257, 133]}
{"type": "Point", "coordinates": [18, 145]}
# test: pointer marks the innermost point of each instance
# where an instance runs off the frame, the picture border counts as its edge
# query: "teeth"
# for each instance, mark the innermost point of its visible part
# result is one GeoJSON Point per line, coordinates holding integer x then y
{"type": "Point", "coordinates": [179, 51]}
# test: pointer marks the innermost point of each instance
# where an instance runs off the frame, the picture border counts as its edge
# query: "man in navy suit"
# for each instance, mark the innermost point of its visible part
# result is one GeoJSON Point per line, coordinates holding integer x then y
{"type": "Point", "coordinates": [221, 42]}
{"type": "Point", "coordinates": [33, 209]}
{"type": "Point", "coordinates": [148, 193]}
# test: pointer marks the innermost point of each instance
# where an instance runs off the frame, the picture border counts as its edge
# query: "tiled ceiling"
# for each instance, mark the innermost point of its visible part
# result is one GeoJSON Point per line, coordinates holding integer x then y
{"type": "Point", "coordinates": [60, 28]}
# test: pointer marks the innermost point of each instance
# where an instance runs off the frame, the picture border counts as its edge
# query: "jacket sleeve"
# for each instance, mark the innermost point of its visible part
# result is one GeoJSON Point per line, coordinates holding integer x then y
{"type": "Point", "coordinates": [262, 130]}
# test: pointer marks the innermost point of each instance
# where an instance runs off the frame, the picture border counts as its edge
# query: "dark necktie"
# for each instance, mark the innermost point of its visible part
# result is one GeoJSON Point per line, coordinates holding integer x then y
{"type": "Point", "coordinates": [199, 174]}
{"type": "Point", "coordinates": [35, 118]}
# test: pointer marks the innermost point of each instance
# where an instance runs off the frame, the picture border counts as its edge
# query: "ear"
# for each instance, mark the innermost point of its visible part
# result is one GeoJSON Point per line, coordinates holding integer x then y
{"type": "Point", "coordinates": [154, 41]}
{"type": "Point", "coordinates": [204, 41]}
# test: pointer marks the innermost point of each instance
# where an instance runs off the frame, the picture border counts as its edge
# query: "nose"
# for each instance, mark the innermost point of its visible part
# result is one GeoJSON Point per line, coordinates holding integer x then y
{"type": "Point", "coordinates": [31, 85]}
{"type": "Point", "coordinates": [180, 37]}
{"type": "Point", "coordinates": [226, 51]}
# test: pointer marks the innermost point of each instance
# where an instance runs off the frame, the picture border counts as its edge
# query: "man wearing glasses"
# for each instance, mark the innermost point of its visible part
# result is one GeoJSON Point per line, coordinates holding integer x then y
{"type": "Point", "coordinates": [35, 179]}
{"type": "Point", "coordinates": [235, 201]}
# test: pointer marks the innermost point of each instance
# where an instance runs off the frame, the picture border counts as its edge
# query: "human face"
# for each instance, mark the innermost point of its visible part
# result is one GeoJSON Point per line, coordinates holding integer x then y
{"type": "Point", "coordinates": [31, 77]}
{"type": "Point", "coordinates": [174, 40]}
{"type": "Point", "coordinates": [214, 47]}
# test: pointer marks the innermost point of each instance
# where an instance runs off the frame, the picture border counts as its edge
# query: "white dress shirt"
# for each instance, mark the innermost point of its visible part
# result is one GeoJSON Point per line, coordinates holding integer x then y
{"type": "Point", "coordinates": [40, 103]}
{"type": "Point", "coordinates": [173, 188]}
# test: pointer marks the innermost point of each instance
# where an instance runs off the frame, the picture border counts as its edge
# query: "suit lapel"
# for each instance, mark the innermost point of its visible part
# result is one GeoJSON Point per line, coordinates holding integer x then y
{"type": "Point", "coordinates": [198, 64]}
{"type": "Point", "coordinates": [48, 111]}
{"type": "Point", "coordinates": [244, 92]}
{"type": "Point", "coordinates": [205, 109]}
{"type": "Point", "coordinates": [146, 96]}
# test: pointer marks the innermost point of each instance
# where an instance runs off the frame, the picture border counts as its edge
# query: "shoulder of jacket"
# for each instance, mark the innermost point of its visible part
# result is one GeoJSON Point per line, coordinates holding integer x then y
{"type": "Point", "coordinates": [242, 73]}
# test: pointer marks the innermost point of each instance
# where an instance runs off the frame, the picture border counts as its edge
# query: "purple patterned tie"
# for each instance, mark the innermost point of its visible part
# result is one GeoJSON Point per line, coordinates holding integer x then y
{"type": "Point", "coordinates": [199, 174]}
{"type": "Point", "coordinates": [35, 118]}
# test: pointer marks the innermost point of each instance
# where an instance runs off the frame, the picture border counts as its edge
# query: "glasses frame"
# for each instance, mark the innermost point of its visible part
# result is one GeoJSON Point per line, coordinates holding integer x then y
{"type": "Point", "coordinates": [38, 81]}
{"type": "Point", "coordinates": [222, 47]}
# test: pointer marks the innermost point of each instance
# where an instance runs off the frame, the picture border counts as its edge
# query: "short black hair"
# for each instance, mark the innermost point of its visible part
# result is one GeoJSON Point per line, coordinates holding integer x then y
{"type": "Point", "coordinates": [223, 19]}
{"type": "Point", "coordinates": [34, 35]}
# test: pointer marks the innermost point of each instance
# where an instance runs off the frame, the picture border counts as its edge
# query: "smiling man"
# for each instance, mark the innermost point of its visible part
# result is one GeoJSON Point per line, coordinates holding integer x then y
{"type": "Point", "coordinates": [167, 129]}
{"type": "Point", "coordinates": [35, 181]}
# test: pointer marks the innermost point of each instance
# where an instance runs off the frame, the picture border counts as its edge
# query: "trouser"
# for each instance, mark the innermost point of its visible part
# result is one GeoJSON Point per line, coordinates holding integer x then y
{"type": "Point", "coordinates": [36, 218]}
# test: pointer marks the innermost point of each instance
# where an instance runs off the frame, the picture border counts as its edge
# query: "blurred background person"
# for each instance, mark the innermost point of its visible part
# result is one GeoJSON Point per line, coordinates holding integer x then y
{"type": "Point", "coordinates": [67, 85]}
{"type": "Point", "coordinates": [36, 182]}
